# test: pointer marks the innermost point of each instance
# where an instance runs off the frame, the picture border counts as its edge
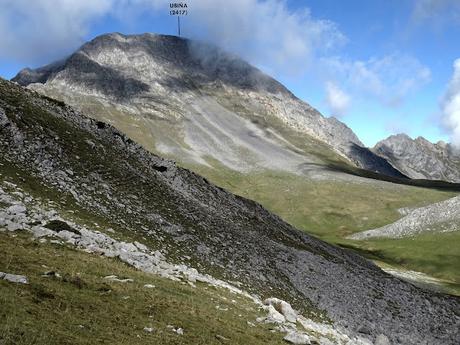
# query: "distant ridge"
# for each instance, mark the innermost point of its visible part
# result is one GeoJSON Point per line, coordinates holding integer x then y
{"type": "Point", "coordinates": [420, 159]}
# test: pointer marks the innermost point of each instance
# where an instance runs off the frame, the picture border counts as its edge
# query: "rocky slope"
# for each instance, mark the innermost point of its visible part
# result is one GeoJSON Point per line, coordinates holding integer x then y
{"type": "Point", "coordinates": [420, 159]}
{"type": "Point", "coordinates": [26, 214]}
{"type": "Point", "coordinates": [92, 169]}
{"type": "Point", "coordinates": [197, 104]}
{"type": "Point", "coordinates": [443, 216]}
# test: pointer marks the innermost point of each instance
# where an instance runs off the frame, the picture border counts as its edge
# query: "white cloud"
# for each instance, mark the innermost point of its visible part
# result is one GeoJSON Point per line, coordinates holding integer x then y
{"type": "Point", "coordinates": [389, 79]}
{"type": "Point", "coordinates": [450, 106]}
{"type": "Point", "coordinates": [266, 33]}
{"type": "Point", "coordinates": [337, 100]}
{"type": "Point", "coordinates": [31, 30]}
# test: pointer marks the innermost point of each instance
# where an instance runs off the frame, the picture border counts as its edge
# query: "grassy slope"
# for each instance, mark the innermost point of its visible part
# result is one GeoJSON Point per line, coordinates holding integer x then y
{"type": "Point", "coordinates": [83, 308]}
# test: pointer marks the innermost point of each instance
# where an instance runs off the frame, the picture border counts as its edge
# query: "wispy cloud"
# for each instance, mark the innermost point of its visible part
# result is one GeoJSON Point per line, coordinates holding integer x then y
{"type": "Point", "coordinates": [389, 79]}
{"type": "Point", "coordinates": [337, 100]}
{"type": "Point", "coordinates": [450, 106]}
{"type": "Point", "coordinates": [436, 10]}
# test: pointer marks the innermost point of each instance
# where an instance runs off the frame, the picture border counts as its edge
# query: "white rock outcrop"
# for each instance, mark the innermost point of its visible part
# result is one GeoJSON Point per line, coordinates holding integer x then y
{"type": "Point", "coordinates": [14, 278]}
{"type": "Point", "coordinates": [284, 308]}
{"type": "Point", "coordinates": [297, 338]}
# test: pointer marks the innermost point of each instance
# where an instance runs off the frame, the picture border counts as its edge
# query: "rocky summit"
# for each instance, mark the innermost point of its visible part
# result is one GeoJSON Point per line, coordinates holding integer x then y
{"type": "Point", "coordinates": [169, 221]}
{"type": "Point", "coordinates": [420, 159]}
{"type": "Point", "coordinates": [199, 105]}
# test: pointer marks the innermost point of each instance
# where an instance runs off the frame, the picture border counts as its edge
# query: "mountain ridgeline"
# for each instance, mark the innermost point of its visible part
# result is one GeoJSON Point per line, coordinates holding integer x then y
{"type": "Point", "coordinates": [198, 105]}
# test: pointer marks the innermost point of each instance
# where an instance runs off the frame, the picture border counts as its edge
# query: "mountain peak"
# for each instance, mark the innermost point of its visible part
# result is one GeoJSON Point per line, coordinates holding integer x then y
{"type": "Point", "coordinates": [176, 79]}
{"type": "Point", "coordinates": [399, 136]}
{"type": "Point", "coordinates": [420, 158]}
{"type": "Point", "coordinates": [145, 56]}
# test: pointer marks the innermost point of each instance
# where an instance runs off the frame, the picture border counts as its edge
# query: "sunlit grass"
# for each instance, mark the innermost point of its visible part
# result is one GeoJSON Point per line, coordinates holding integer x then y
{"type": "Point", "coordinates": [81, 307]}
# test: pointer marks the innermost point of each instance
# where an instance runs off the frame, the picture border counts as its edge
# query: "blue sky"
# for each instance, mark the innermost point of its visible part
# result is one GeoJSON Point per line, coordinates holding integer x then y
{"type": "Point", "coordinates": [381, 66]}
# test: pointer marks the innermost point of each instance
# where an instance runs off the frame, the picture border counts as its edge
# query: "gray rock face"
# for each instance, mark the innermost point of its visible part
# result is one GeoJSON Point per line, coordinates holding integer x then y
{"type": "Point", "coordinates": [16, 209]}
{"type": "Point", "coordinates": [3, 119]}
{"type": "Point", "coordinates": [226, 236]}
{"type": "Point", "coordinates": [216, 104]}
{"type": "Point", "coordinates": [421, 159]}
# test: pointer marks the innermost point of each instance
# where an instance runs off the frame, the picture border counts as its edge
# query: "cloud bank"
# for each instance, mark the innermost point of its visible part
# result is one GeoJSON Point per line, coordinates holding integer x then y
{"type": "Point", "coordinates": [450, 106]}
{"type": "Point", "coordinates": [266, 33]}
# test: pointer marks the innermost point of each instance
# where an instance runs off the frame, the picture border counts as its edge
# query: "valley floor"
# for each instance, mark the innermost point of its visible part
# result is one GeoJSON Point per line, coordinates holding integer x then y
{"type": "Point", "coordinates": [334, 209]}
